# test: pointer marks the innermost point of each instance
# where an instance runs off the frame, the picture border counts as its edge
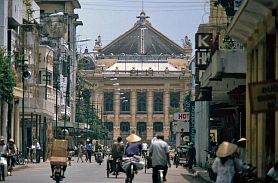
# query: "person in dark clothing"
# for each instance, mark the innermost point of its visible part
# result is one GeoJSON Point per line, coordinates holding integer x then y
{"type": "Point", "coordinates": [89, 149]}
{"type": "Point", "coordinates": [191, 155]}
{"type": "Point", "coordinates": [117, 152]}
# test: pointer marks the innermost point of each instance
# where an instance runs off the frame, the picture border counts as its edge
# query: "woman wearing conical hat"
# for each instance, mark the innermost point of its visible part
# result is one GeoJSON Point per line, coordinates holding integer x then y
{"type": "Point", "coordinates": [225, 165]}
{"type": "Point", "coordinates": [133, 146]}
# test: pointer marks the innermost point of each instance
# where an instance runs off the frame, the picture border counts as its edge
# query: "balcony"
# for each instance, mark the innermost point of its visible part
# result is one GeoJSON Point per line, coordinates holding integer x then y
{"type": "Point", "coordinates": [226, 71]}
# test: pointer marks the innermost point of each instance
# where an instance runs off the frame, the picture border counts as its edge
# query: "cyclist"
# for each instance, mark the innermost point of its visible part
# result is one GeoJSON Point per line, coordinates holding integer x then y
{"type": "Point", "coordinates": [117, 152]}
{"type": "Point", "coordinates": [10, 151]}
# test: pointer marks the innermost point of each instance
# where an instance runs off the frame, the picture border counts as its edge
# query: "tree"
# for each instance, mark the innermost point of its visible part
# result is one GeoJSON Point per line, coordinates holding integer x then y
{"type": "Point", "coordinates": [7, 78]}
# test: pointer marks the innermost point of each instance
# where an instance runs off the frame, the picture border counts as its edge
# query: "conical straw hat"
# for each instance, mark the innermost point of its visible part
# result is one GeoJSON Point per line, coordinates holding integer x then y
{"type": "Point", "coordinates": [133, 138]}
{"type": "Point", "coordinates": [242, 139]}
{"type": "Point", "coordinates": [226, 149]}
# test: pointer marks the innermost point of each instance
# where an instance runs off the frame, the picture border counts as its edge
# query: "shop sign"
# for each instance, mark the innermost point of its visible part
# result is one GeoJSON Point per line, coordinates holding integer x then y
{"type": "Point", "coordinates": [182, 116]}
{"type": "Point", "coordinates": [263, 96]}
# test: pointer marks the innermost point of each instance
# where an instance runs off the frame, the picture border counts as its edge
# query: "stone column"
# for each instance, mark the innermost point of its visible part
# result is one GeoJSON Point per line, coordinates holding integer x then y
{"type": "Point", "coordinates": [166, 105]}
{"type": "Point", "coordinates": [16, 124]}
{"type": "Point", "coordinates": [150, 114]}
{"type": "Point", "coordinates": [116, 114]}
{"type": "Point", "coordinates": [133, 103]}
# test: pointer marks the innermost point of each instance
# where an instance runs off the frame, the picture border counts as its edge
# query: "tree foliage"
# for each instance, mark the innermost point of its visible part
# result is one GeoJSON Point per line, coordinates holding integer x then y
{"type": "Point", "coordinates": [7, 78]}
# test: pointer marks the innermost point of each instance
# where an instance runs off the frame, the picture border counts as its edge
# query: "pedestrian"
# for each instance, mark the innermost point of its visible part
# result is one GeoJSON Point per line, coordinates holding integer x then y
{"type": "Point", "coordinates": [133, 146]}
{"type": "Point", "coordinates": [10, 152]}
{"type": "Point", "coordinates": [241, 149]}
{"type": "Point", "coordinates": [117, 152]}
{"type": "Point", "coordinates": [38, 151]}
{"type": "Point", "coordinates": [191, 156]}
{"type": "Point", "coordinates": [89, 149]}
{"type": "Point", "coordinates": [272, 174]}
{"type": "Point", "coordinates": [225, 165]}
{"type": "Point", "coordinates": [80, 152]}
{"type": "Point", "coordinates": [2, 145]}
{"type": "Point", "coordinates": [144, 149]}
{"type": "Point", "coordinates": [159, 151]}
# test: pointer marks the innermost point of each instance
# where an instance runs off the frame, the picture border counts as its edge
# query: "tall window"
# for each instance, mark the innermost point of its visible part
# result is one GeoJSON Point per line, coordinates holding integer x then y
{"type": "Point", "coordinates": [125, 102]}
{"type": "Point", "coordinates": [141, 102]}
{"type": "Point", "coordinates": [158, 102]}
{"type": "Point", "coordinates": [157, 127]}
{"type": "Point", "coordinates": [142, 130]}
{"type": "Point", "coordinates": [109, 126]}
{"type": "Point", "coordinates": [108, 101]}
{"type": "Point", "coordinates": [124, 129]}
{"type": "Point", "coordinates": [174, 99]}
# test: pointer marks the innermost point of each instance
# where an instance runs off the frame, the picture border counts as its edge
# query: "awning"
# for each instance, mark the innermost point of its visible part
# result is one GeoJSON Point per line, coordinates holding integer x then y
{"type": "Point", "coordinates": [249, 16]}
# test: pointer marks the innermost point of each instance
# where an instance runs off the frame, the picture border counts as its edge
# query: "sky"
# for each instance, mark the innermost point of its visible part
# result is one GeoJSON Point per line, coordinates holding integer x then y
{"type": "Point", "coordinates": [112, 18]}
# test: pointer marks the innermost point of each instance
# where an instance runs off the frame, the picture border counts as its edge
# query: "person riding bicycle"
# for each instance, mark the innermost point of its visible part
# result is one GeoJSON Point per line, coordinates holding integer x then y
{"type": "Point", "coordinates": [97, 148]}
{"type": "Point", "coordinates": [144, 149]}
{"type": "Point", "coordinates": [117, 152]}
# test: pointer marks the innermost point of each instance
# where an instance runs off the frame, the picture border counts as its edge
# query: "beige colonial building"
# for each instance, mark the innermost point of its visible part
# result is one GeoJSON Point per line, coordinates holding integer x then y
{"type": "Point", "coordinates": [139, 80]}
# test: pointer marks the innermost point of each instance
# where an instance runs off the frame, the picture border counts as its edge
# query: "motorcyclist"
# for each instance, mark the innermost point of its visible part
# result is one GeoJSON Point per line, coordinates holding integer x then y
{"type": "Point", "coordinates": [97, 148]}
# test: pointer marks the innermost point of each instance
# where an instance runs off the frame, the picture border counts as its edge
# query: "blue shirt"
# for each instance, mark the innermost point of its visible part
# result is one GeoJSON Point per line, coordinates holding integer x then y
{"type": "Point", "coordinates": [133, 148]}
{"type": "Point", "coordinates": [89, 147]}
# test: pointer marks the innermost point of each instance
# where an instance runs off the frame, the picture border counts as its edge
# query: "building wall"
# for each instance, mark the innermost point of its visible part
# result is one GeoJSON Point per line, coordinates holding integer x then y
{"type": "Point", "coordinates": [3, 23]}
{"type": "Point", "coordinates": [261, 128]}
{"type": "Point", "coordinates": [134, 85]}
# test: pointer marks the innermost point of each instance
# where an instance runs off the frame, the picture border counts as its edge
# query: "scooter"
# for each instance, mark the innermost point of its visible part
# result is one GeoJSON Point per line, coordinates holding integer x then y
{"type": "Point", "coordinates": [57, 176]}
{"type": "Point", "coordinates": [99, 157]}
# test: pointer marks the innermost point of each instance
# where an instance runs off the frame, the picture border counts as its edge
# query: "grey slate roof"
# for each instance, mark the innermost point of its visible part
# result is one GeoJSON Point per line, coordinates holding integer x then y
{"type": "Point", "coordinates": [154, 41]}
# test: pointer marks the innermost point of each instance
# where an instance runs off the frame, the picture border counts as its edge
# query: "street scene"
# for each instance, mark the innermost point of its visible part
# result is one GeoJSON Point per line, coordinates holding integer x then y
{"type": "Point", "coordinates": [139, 91]}
{"type": "Point", "coordinates": [92, 172]}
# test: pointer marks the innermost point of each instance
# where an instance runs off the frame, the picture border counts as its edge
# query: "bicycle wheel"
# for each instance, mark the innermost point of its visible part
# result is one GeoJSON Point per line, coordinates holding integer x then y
{"type": "Point", "coordinates": [160, 176]}
{"type": "Point", "coordinates": [146, 165]}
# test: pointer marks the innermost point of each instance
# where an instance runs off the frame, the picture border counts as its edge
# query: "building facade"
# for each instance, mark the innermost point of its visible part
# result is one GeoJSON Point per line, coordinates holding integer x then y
{"type": "Point", "coordinates": [138, 81]}
{"type": "Point", "coordinates": [255, 25]}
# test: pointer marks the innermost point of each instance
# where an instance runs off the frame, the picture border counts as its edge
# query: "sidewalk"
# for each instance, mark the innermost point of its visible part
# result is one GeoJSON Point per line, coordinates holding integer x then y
{"type": "Point", "coordinates": [202, 174]}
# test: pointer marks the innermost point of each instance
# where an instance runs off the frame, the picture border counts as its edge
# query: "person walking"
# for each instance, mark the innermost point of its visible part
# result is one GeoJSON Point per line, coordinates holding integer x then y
{"type": "Point", "coordinates": [117, 152]}
{"type": "Point", "coordinates": [38, 151]}
{"type": "Point", "coordinates": [225, 165]}
{"type": "Point", "coordinates": [2, 145]}
{"type": "Point", "coordinates": [89, 149]}
{"type": "Point", "coordinates": [191, 156]}
{"type": "Point", "coordinates": [80, 152]}
{"type": "Point", "coordinates": [159, 151]}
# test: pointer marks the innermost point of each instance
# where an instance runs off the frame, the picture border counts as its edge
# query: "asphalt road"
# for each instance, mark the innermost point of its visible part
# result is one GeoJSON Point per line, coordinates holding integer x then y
{"type": "Point", "coordinates": [91, 172]}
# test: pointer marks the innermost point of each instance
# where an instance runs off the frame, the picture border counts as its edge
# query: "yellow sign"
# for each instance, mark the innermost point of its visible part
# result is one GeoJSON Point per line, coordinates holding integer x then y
{"type": "Point", "coordinates": [263, 96]}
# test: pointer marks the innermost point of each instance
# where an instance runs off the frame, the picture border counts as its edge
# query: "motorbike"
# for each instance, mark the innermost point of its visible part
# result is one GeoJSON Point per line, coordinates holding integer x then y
{"type": "Point", "coordinates": [57, 176]}
{"type": "Point", "coordinates": [99, 157]}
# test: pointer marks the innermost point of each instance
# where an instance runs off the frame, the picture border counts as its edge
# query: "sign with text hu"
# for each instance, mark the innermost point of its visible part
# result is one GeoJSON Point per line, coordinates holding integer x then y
{"type": "Point", "coordinates": [203, 41]}
{"type": "Point", "coordinates": [182, 116]}
{"type": "Point", "coordinates": [263, 96]}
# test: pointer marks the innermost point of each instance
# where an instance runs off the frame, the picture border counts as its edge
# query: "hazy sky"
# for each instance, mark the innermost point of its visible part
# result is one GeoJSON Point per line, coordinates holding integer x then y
{"type": "Point", "coordinates": [112, 18]}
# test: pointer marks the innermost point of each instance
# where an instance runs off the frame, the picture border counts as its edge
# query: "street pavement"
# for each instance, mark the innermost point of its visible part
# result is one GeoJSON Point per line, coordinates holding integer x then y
{"type": "Point", "coordinates": [93, 172]}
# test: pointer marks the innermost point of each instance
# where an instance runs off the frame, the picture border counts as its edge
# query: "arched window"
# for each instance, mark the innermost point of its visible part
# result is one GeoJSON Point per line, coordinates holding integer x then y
{"type": "Point", "coordinates": [174, 99]}
{"type": "Point", "coordinates": [157, 127]}
{"type": "Point", "coordinates": [158, 102]}
{"type": "Point", "coordinates": [141, 102]}
{"type": "Point", "coordinates": [108, 101]}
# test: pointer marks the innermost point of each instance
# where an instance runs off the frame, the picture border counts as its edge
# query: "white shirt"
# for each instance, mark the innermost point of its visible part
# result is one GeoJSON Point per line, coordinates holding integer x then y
{"type": "Point", "coordinates": [273, 173]}
{"type": "Point", "coordinates": [144, 146]}
{"type": "Point", "coordinates": [38, 146]}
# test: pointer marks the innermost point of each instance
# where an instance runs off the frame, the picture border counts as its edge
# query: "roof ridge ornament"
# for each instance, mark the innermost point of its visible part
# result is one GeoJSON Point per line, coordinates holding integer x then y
{"type": "Point", "coordinates": [142, 19]}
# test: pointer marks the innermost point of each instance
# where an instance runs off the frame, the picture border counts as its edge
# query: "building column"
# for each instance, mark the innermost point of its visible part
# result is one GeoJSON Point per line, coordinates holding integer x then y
{"type": "Point", "coordinates": [276, 113]}
{"type": "Point", "coordinates": [133, 102]}
{"type": "Point", "coordinates": [181, 101]}
{"type": "Point", "coordinates": [248, 109]}
{"type": "Point", "coordinates": [116, 114]}
{"type": "Point", "coordinates": [202, 131]}
{"type": "Point", "coordinates": [16, 124]}
{"type": "Point", "coordinates": [166, 102]}
{"type": "Point", "coordinates": [261, 117]}
{"type": "Point", "coordinates": [150, 134]}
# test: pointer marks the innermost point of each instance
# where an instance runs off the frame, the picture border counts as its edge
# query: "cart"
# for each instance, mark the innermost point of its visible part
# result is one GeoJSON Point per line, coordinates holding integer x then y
{"type": "Point", "coordinates": [181, 155]}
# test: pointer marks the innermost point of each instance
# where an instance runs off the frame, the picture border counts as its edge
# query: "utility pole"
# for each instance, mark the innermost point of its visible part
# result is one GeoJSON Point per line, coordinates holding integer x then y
{"type": "Point", "coordinates": [25, 75]}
